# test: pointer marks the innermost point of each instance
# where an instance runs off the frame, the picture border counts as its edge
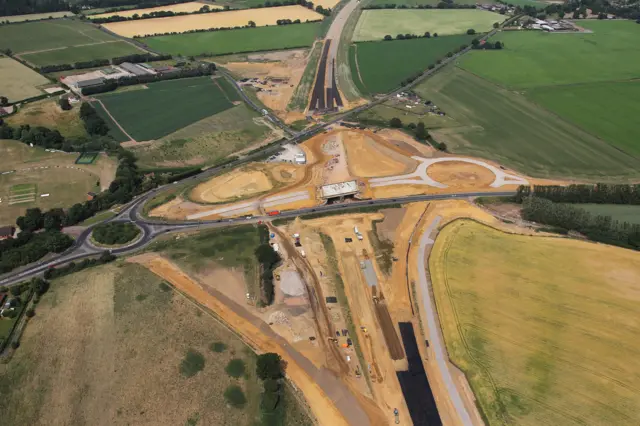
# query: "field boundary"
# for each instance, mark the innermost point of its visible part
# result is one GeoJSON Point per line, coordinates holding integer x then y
{"type": "Point", "coordinates": [114, 120]}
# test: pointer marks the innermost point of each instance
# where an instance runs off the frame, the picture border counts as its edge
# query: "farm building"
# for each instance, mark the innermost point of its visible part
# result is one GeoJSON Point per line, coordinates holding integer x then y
{"type": "Point", "coordinates": [341, 189]}
{"type": "Point", "coordinates": [136, 69]}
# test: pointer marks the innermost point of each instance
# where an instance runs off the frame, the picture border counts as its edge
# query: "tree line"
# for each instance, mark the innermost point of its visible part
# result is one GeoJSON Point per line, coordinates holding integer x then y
{"type": "Point", "coordinates": [440, 5]}
{"type": "Point", "coordinates": [72, 267]}
{"type": "Point", "coordinates": [600, 193]}
{"type": "Point", "coordinates": [567, 217]}
{"type": "Point", "coordinates": [487, 45]}
{"type": "Point", "coordinates": [29, 247]}
{"type": "Point", "coordinates": [270, 369]}
{"type": "Point", "coordinates": [419, 131]}
{"type": "Point", "coordinates": [112, 84]}
{"type": "Point", "coordinates": [269, 261]}
{"type": "Point", "coordinates": [156, 14]}
{"type": "Point", "coordinates": [135, 58]}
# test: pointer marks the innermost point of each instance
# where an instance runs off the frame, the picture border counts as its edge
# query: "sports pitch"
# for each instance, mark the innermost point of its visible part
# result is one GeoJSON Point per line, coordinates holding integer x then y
{"type": "Point", "coordinates": [370, 60]}
{"type": "Point", "coordinates": [498, 124]}
{"type": "Point", "coordinates": [19, 82]}
{"type": "Point", "coordinates": [375, 24]}
{"type": "Point", "coordinates": [544, 328]}
{"type": "Point", "coordinates": [236, 41]}
{"type": "Point", "coordinates": [167, 106]}
{"type": "Point", "coordinates": [87, 158]}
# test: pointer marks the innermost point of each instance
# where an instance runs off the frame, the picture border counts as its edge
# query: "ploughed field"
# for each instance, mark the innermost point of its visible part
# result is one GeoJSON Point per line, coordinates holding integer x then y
{"type": "Point", "coordinates": [588, 79]}
{"type": "Point", "coordinates": [545, 328]}
{"type": "Point", "coordinates": [236, 41]}
{"type": "Point", "coordinates": [167, 106]}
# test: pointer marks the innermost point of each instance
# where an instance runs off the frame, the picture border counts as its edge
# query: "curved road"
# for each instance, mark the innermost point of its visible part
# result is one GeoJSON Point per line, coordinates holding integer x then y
{"type": "Point", "coordinates": [152, 229]}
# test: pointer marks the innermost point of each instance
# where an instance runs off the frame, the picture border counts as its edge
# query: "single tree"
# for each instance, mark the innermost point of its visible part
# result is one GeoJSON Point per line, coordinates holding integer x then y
{"type": "Point", "coordinates": [475, 42]}
{"type": "Point", "coordinates": [269, 366]}
{"type": "Point", "coordinates": [427, 34]}
{"type": "Point", "coordinates": [435, 35]}
{"type": "Point", "coordinates": [4, 101]}
{"type": "Point", "coordinates": [395, 122]}
{"type": "Point", "coordinates": [388, 37]}
{"type": "Point", "coordinates": [64, 104]}
{"type": "Point", "coordinates": [471, 31]}
{"type": "Point", "coordinates": [498, 45]}
{"type": "Point", "coordinates": [496, 25]}
{"type": "Point", "coordinates": [421, 132]}
{"type": "Point", "coordinates": [252, 24]}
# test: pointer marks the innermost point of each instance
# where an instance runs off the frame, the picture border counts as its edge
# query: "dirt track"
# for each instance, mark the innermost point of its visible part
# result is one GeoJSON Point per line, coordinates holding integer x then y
{"type": "Point", "coordinates": [329, 399]}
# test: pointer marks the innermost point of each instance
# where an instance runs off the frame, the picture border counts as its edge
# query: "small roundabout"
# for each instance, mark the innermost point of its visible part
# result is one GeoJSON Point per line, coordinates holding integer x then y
{"type": "Point", "coordinates": [116, 235]}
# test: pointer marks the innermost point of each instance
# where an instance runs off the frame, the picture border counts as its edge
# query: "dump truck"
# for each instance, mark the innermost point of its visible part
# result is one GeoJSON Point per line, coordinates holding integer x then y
{"type": "Point", "coordinates": [273, 213]}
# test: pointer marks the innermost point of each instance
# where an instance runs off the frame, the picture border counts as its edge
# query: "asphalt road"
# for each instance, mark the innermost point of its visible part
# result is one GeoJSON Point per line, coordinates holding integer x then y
{"type": "Point", "coordinates": [151, 229]}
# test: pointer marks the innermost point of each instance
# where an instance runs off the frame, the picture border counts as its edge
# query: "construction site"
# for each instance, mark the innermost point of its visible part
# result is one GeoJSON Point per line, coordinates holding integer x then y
{"type": "Point", "coordinates": [337, 166]}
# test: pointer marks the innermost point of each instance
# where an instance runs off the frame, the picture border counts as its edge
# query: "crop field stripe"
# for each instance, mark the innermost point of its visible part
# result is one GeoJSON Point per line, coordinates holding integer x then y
{"type": "Point", "coordinates": [383, 65]}
{"type": "Point", "coordinates": [300, 96]}
{"type": "Point", "coordinates": [237, 41]}
{"type": "Point", "coordinates": [114, 130]}
{"type": "Point", "coordinates": [88, 52]}
{"type": "Point", "coordinates": [166, 106]}
{"type": "Point", "coordinates": [355, 69]}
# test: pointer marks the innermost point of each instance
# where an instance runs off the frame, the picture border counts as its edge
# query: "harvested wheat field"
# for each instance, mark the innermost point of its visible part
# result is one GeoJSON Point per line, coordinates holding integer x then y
{"type": "Point", "coordinates": [107, 346]}
{"type": "Point", "coordinates": [176, 8]}
{"type": "Point", "coordinates": [230, 19]}
{"type": "Point", "coordinates": [545, 328]}
{"type": "Point", "coordinates": [370, 155]}
{"type": "Point", "coordinates": [245, 182]}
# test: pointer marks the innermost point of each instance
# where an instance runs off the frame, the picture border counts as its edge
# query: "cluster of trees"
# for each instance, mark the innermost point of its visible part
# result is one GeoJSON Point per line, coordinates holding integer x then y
{"type": "Point", "coordinates": [157, 14]}
{"type": "Point", "coordinates": [420, 132]}
{"type": "Point", "coordinates": [486, 45]}
{"type": "Point", "coordinates": [441, 5]}
{"type": "Point", "coordinates": [205, 68]}
{"type": "Point", "coordinates": [269, 368]}
{"type": "Point", "coordinates": [114, 233]}
{"type": "Point", "coordinates": [93, 123]}
{"type": "Point", "coordinates": [601, 193]}
{"type": "Point", "coordinates": [268, 260]}
{"type": "Point", "coordinates": [578, 9]}
{"type": "Point", "coordinates": [410, 36]}
{"type": "Point", "coordinates": [72, 267]}
{"type": "Point", "coordinates": [567, 217]}
{"type": "Point", "coordinates": [280, 22]}
{"type": "Point", "coordinates": [135, 58]}
{"type": "Point", "coordinates": [29, 247]}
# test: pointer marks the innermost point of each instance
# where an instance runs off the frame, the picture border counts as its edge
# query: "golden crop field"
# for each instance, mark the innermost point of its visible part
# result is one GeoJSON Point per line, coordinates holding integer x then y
{"type": "Point", "coordinates": [232, 18]}
{"type": "Point", "coordinates": [546, 329]}
{"type": "Point", "coordinates": [177, 8]}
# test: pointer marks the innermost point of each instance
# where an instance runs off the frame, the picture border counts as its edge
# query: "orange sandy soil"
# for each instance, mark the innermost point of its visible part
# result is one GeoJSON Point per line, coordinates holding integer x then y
{"type": "Point", "coordinates": [289, 67]}
{"type": "Point", "coordinates": [229, 19]}
{"type": "Point", "coordinates": [321, 406]}
{"type": "Point", "coordinates": [367, 154]}
{"type": "Point", "coordinates": [385, 386]}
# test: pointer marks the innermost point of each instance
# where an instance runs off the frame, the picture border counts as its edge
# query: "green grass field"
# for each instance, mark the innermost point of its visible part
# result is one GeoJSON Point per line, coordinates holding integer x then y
{"type": "Point", "coordinates": [59, 33]}
{"type": "Point", "coordinates": [237, 41]}
{"type": "Point", "coordinates": [82, 53]}
{"type": "Point", "coordinates": [18, 82]}
{"type": "Point", "coordinates": [544, 328]}
{"type": "Point", "coordinates": [607, 110]}
{"type": "Point", "coordinates": [536, 58]}
{"type": "Point", "coordinates": [206, 141]}
{"type": "Point", "coordinates": [623, 213]}
{"type": "Point", "coordinates": [410, 57]}
{"type": "Point", "coordinates": [168, 106]}
{"type": "Point", "coordinates": [375, 24]}
{"type": "Point", "coordinates": [499, 124]}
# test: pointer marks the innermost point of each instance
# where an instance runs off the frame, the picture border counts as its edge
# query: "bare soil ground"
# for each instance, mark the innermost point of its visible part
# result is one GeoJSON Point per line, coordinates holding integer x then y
{"type": "Point", "coordinates": [371, 156]}
{"type": "Point", "coordinates": [279, 74]}
{"type": "Point", "coordinates": [375, 347]}
{"type": "Point", "coordinates": [105, 348]}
